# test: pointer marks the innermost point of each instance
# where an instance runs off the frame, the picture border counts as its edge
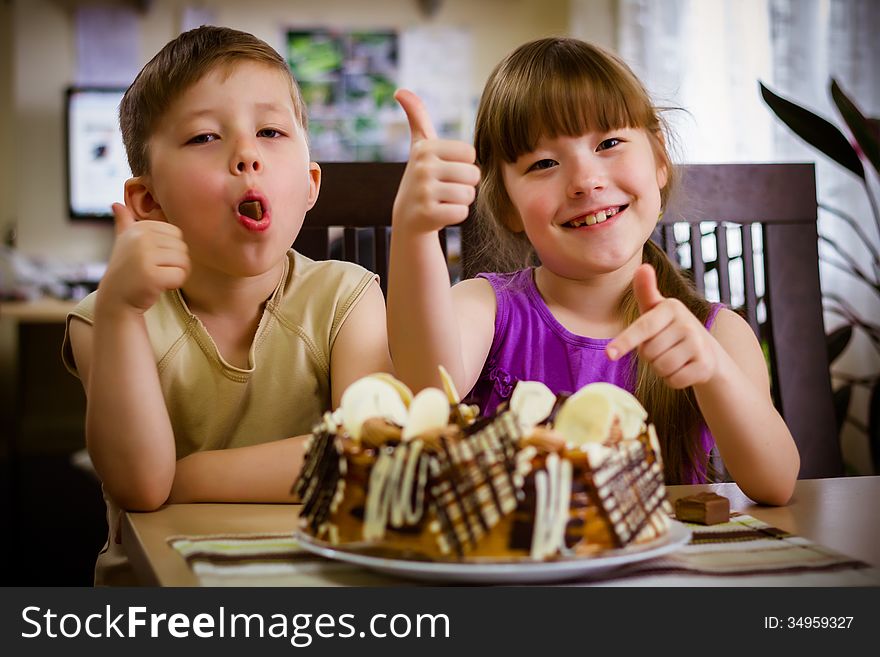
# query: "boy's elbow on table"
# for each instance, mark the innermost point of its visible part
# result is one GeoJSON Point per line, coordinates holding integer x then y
{"type": "Point", "coordinates": [146, 496]}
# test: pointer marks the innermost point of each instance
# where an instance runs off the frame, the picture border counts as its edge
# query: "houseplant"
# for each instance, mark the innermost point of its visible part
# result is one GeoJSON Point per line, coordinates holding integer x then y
{"type": "Point", "coordinates": [830, 141]}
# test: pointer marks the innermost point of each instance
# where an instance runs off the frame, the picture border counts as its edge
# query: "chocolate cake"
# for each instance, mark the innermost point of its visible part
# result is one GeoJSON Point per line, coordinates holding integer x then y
{"type": "Point", "coordinates": [424, 478]}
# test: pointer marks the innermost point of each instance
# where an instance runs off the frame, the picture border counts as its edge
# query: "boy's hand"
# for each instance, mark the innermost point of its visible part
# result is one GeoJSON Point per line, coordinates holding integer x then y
{"type": "Point", "coordinates": [439, 182]}
{"type": "Point", "coordinates": [148, 258]}
{"type": "Point", "coordinates": [667, 335]}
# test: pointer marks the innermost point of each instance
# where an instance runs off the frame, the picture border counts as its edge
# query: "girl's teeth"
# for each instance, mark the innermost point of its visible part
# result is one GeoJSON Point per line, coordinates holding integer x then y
{"type": "Point", "coordinates": [591, 219]}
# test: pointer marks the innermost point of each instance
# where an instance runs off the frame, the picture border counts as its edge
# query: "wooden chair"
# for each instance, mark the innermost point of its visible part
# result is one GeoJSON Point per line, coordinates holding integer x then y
{"type": "Point", "coordinates": [748, 230]}
{"type": "Point", "coordinates": [767, 213]}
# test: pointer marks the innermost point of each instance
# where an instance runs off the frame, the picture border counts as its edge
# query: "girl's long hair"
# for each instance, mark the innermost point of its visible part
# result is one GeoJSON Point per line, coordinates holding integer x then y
{"type": "Point", "coordinates": [561, 86]}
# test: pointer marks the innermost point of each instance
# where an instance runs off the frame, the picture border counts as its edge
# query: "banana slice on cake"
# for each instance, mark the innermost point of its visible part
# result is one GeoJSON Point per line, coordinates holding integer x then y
{"type": "Point", "coordinates": [371, 397]}
{"type": "Point", "coordinates": [588, 415]}
{"type": "Point", "coordinates": [630, 412]}
{"type": "Point", "coordinates": [429, 410]}
{"type": "Point", "coordinates": [531, 402]}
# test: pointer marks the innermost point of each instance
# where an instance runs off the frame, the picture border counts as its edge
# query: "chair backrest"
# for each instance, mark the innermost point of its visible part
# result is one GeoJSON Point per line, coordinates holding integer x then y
{"type": "Point", "coordinates": [746, 232]}
{"type": "Point", "coordinates": [352, 219]}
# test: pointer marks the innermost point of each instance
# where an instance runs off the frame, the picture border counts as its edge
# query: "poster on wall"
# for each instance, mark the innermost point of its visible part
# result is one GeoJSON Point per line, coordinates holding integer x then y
{"type": "Point", "coordinates": [348, 81]}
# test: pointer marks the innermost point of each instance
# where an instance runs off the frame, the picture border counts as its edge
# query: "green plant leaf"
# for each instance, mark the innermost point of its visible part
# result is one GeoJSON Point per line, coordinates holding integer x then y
{"type": "Point", "coordinates": [864, 134]}
{"type": "Point", "coordinates": [841, 405]}
{"type": "Point", "coordinates": [815, 130]}
{"type": "Point", "coordinates": [837, 340]}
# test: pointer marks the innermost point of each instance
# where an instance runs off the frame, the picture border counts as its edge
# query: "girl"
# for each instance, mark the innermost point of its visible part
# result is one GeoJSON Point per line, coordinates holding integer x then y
{"type": "Point", "coordinates": [575, 173]}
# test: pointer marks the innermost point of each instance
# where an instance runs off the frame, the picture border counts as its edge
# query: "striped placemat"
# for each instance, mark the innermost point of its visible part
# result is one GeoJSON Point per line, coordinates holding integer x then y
{"type": "Point", "coordinates": [742, 552]}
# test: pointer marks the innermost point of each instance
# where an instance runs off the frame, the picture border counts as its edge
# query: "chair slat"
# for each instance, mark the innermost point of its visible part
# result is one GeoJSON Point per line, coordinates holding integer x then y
{"type": "Point", "coordinates": [380, 251]}
{"type": "Point", "coordinates": [697, 265]}
{"type": "Point", "coordinates": [748, 263]}
{"type": "Point", "coordinates": [723, 262]}
{"type": "Point", "coordinates": [350, 245]}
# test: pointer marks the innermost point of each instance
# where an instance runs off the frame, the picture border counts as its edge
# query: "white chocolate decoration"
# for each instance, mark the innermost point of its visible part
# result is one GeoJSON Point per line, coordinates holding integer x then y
{"type": "Point", "coordinates": [402, 389]}
{"type": "Point", "coordinates": [449, 386]}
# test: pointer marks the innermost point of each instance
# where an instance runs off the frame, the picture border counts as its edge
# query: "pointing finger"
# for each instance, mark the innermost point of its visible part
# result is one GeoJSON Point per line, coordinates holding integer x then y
{"type": "Point", "coordinates": [420, 125]}
{"type": "Point", "coordinates": [643, 329]}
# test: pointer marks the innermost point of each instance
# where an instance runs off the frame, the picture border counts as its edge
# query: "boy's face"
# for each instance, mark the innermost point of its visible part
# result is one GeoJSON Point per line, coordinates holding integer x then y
{"type": "Point", "coordinates": [231, 138]}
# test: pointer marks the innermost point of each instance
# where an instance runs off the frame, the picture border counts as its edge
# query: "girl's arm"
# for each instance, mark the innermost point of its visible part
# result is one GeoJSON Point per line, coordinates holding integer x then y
{"type": "Point", "coordinates": [753, 439]}
{"type": "Point", "coordinates": [426, 327]}
{"type": "Point", "coordinates": [727, 371]}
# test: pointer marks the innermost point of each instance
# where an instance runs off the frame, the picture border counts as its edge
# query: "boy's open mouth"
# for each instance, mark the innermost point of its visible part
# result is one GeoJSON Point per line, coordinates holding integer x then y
{"type": "Point", "coordinates": [253, 213]}
{"type": "Point", "coordinates": [596, 218]}
{"type": "Point", "coordinates": [252, 209]}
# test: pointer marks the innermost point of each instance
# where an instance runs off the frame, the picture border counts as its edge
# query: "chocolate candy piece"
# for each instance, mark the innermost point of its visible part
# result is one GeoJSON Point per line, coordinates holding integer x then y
{"type": "Point", "coordinates": [252, 209]}
{"type": "Point", "coordinates": [703, 508]}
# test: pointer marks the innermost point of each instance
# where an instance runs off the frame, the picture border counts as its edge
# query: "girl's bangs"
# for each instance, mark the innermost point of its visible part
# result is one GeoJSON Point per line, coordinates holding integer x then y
{"type": "Point", "coordinates": [570, 103]}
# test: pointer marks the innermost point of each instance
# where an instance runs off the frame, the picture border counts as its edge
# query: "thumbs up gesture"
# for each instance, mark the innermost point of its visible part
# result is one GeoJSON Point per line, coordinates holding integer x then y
{"type": "Point", "coordinates": [440, 179]}
{"type": "Point", "coordinates": [667, 335]}
{"type": "Point", "coordinates": [148, 258]}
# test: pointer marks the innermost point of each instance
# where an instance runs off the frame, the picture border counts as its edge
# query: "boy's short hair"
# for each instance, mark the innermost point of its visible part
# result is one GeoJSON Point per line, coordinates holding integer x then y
{"type": "Point", "coordinates": [180, 64]}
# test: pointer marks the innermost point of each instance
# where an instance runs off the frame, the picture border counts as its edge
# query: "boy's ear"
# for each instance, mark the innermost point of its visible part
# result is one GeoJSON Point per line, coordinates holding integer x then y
{"type": "Point", "coordinates": [139, 199]}
{"type": "Point", "coordinates": [314, 184]}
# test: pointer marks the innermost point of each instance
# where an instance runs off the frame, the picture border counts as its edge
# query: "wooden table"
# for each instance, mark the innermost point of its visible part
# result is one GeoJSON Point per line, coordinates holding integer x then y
{"type": "Point", "coordinates": [841, 514]}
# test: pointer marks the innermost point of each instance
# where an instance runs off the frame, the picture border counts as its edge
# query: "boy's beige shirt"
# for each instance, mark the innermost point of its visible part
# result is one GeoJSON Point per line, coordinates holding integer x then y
{"type": "Point", "coordinates": [214, 405]}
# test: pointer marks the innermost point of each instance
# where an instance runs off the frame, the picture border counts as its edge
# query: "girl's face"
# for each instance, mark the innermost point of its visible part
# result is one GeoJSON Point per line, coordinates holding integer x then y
{"type": "Point", "coordinates": [232, 138]}
{"type": "Point", "coordinates": [587, 204]}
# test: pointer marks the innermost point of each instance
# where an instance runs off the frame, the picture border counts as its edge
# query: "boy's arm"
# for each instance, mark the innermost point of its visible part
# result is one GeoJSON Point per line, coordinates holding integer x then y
{"type": "Point", "coordinates": [753, 439]}
{"type": "Point", "coordinates": [128, 432]}
{"type": "Point", "coordinates": [361, 345]}
{"type": "Point", "coordinates": [257, 473]}
{"type": "Point", "coordinates": [426, 326]}
{"type": "Point", "coordinates": [266, 472]}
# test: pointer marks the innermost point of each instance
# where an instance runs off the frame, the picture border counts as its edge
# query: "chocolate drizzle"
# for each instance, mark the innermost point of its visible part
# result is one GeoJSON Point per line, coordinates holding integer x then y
{"type": "Point", "coordinates": [474, 482]}
{"type": "Point", "coordinates": [628, 488]}
{"type": "Point", "coordinates": [319, 479]}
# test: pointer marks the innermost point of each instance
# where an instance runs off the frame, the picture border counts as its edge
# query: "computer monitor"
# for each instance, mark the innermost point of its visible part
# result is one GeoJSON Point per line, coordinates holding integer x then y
{"type": "Point", "coordinates": [96, 164]}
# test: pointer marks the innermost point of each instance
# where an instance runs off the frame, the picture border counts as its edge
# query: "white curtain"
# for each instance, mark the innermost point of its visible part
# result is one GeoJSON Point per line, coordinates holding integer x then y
{"type": "Point", "coordinates": [707, 56]}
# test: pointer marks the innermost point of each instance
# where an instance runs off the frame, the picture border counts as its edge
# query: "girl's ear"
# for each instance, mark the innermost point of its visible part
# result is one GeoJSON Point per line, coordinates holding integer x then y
{"type": "Point", "coordinates": [660, 154]}
{"type": "Point", "coordinates": [140, 200]}
{"type": "Point", "coordinates": [662, 175]}
{"type": "Point", "coordinates": [314, 184]}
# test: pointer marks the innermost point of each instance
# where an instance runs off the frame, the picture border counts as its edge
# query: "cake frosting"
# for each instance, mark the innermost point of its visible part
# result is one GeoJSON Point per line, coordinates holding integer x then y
{"type": "Point", "coordinates": [422, 477]}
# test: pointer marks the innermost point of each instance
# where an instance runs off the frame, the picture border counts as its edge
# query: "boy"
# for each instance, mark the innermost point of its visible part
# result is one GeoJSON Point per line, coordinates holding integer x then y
{"type": "Point", "coordinates": [210, 342]}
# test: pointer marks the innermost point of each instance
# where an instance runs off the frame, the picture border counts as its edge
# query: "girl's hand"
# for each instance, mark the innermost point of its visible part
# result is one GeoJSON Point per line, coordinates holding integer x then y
{"type": "Point", "coordinates": [148, 258]}
{"type": "Point", "coordinates": [440, 179]}
{"type": "Point", "coordinates": [667, 335]}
